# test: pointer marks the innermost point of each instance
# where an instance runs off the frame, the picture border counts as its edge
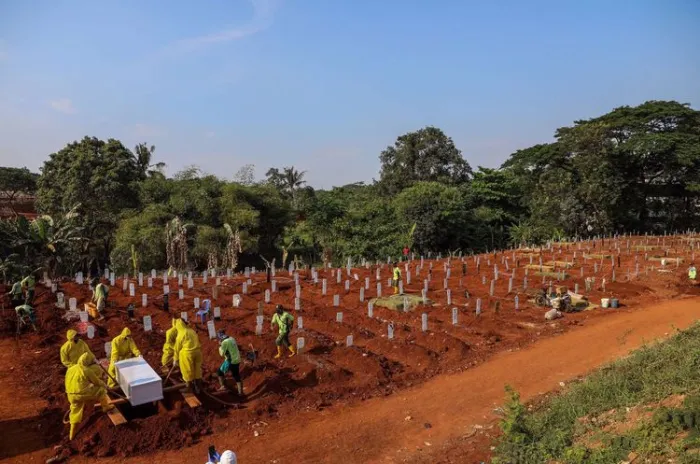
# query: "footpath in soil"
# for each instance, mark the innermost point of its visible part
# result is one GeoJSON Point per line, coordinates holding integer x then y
{"type": "Point", "coordinates": [327, 372]}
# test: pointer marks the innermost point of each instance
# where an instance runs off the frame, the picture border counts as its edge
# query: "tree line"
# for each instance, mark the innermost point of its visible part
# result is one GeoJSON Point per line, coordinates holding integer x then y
{"type": "Point", "coordinates": [634, 169]}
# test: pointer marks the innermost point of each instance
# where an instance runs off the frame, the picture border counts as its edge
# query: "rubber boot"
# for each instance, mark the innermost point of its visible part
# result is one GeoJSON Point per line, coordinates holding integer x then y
{"type": "Point", "coordinates": [222, 383]}
{"type": "Point", "coordinates": [73, 429]}
{"type": "Point", "coordinates": [240, 388]}
{"type": "Point", "coordinates": [106, 405]}
{"type": "Point", "coordinates": [293, 351]}
{"type": "Point", "coordinates": [197, 386]}
{"type": "Point", "coordinates": [279, 352]}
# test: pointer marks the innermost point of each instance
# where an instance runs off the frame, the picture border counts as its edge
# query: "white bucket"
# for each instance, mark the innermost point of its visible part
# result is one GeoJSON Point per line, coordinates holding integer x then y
{"type": "Point", "coordinates": [605, 302]}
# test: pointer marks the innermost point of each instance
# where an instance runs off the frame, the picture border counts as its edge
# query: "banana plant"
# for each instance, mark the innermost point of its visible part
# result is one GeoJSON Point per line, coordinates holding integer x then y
{"type": "Point", "coordinates": [135, 261]}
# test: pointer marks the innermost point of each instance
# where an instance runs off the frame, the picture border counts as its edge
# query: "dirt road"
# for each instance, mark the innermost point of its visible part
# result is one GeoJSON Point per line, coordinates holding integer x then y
{"type": "Point", "coordinates": [448, 407]}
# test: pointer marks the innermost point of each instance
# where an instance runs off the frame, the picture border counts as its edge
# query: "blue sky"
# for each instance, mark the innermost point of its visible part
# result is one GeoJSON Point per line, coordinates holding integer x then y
{"type": "Point", "coordinates": [325, 85]}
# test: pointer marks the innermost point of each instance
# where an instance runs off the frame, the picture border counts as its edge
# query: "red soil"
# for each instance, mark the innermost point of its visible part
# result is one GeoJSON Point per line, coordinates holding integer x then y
{"type": "Point", "coordinates": [327, 373]}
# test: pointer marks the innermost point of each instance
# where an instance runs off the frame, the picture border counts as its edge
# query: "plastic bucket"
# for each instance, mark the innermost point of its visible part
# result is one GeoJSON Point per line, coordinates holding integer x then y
{"type": "Point", "coordinates": [614, 303]}
{"type": "Point", "coordinates": [605, 303]}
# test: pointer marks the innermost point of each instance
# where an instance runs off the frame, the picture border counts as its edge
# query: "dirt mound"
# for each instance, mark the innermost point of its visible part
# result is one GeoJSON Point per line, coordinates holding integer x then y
{"type": "Point", "coordinates": [165, 430]}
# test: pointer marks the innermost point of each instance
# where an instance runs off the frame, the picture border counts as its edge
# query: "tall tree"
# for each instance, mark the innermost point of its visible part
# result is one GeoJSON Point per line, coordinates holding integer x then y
{"type": "Point", "coordinates": [102, 177]}
{"type": "Point", "coordinates": [288, 181]}
{"type": "Point", "coordinates": [439, 212]}
{"type": "Point", "coordinates": [144, 156]}
{"type": "Point", "coordinates": [426, 155]}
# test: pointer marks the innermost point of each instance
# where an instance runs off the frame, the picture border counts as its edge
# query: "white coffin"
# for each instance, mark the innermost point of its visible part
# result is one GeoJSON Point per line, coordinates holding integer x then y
{"type": "Point", "coordinates": [139, 381]}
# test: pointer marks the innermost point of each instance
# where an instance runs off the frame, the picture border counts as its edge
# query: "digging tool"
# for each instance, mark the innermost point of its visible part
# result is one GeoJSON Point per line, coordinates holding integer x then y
{"type": "Point", "coordinates": [115, 381]}
{"type": "Point", "coordinates": [169, 372]}
{"type": "Point", "coordinates": [250, 356]}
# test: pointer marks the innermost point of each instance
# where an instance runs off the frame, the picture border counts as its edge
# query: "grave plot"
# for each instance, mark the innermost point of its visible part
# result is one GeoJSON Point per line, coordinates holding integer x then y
{"type": "Point", "coordinates": [356, 339]}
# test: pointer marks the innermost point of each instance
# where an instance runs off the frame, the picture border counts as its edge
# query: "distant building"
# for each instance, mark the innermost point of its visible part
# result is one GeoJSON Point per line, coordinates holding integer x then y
{"type": "Point", "coordinates": [19, 205]}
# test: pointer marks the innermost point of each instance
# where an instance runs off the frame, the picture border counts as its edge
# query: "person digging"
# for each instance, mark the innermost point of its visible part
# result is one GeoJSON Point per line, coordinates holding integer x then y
{"type": "Point", "coordinates": [284, 322]}
{"type": "Point", "coordinates": [228, 349]}
{"type": "Point", "coordinates": [28, 284]}
{"type": "Point", "coordinates": [188, 355]}
{"type": "Point", "coordinates": [84, 386]}
{"type": "Point", "coordinates": [73, 349]}
{"type": "Point", "coordinates": [169, 345]}
{"type": "Point", "coordinates": [16, 294]}
{"type": "Point", "coordinates": [25, 316]}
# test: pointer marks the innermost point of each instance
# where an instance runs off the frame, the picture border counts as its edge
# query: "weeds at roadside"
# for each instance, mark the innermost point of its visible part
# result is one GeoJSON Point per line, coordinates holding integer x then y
{"type": "Point", "coordinates": [648, 375]}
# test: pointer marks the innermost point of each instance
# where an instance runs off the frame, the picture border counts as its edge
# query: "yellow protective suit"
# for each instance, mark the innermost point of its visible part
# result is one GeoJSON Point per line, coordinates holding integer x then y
{"type": "Point", "coordinates": [72, 350]}
{"type": "Point", "coordinates": [169, 345]}
{"type": "Point", "coordinates": [83, 386]}
{"type": "Point", "coordinates": [123, 347]}
{"type": "Point", "coordinates": [188, 352]}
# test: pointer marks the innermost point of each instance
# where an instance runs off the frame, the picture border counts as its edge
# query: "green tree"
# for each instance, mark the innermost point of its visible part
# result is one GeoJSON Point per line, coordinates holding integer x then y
{"type": "Point", "coordinates": [426, 155]}
{"type": "Point", "coordinates": [439, 212]}
{"type": "Point", "coordinates": [145, 232]}
{"type": "Point", "coordinates": [289, 182]}
{"type": "Point", "coordinates": [49, 243]}
{"type": "Point", "coordinates": [102, 177]}
{"type": "Point", "coordinates": [144, 156]}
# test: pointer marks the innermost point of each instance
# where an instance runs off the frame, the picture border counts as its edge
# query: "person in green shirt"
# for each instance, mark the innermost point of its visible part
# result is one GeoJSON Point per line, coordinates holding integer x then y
{"type": "Point", "coordinates": [692, 272]}
{"type": "Point", "coordinates": [25, 312]}
{"type": "Point", "coordinates": [16, 293]}
{"type": "Point", "coordinates": [28, 284]}
{"type": "Point", "coordinates": [228, 349]}
{"type": "Point", "coordinates": [99, 296]}
{"type": "Point", "coordinates": [284, 322]}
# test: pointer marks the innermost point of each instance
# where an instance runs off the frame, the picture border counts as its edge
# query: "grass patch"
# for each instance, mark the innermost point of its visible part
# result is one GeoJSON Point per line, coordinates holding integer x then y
{"type": "Point", "coordinates": [597, 256]}
{"type": "Point", "coordinates": [563, 264]}
{"type": "Point", "coordinates": [537, 267]}
{"type": "Point", "coordinates": [397, 302]}
{"type": "Point", "coordinates": [557, 275]}
{"type": "Point", "coordinates": [649, 375]}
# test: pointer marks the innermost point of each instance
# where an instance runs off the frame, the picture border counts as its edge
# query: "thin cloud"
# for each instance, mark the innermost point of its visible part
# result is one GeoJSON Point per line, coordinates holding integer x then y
{"type": "Point", "coordinates": [263, 13]}
{"type": "Point", "coordinates": [63, 105]}
{"type": "Point", "coordinates": [209, 134]}
{"type": "Point", "coordinates": [146, 130]}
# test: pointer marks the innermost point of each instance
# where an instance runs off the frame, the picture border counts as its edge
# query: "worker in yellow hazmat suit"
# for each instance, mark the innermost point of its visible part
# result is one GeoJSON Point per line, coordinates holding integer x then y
{"type": "Point", "coordinates": [83, 386]}
{"type": "Point", "coordinates": [123, 347]}
{"type": "Point", "coordinates": [396, 278]}
{"type": "Point", "coordinates": [73, 349]}
{"type": "Point", "coordinates": [169, 345]}
{"type": "Point", "coordinates": [188, 355]}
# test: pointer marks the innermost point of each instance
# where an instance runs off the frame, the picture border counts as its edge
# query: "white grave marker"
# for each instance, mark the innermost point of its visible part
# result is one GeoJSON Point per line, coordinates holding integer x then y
{"type": "Point", "coordinates": [147, 324]}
